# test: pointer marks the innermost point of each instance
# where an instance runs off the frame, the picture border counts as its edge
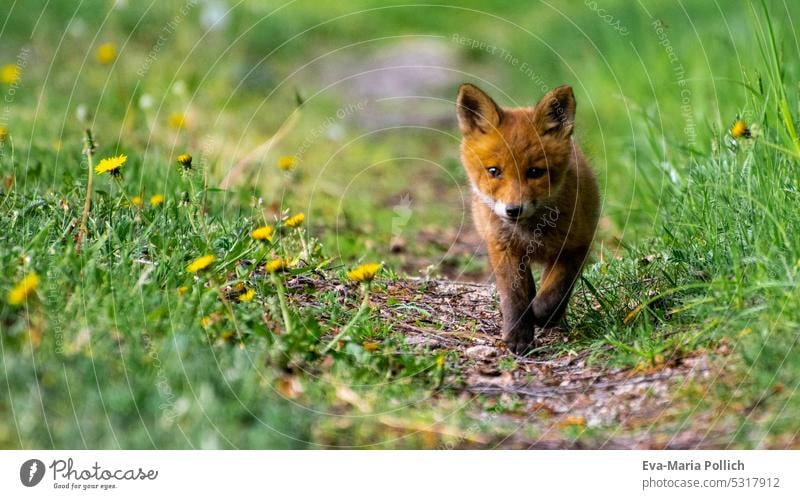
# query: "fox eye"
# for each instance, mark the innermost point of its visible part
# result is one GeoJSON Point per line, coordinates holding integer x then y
{"type": "Point", "coordinates": [535, 172]}
{"type": "Point", "coordinates": [494, 171]}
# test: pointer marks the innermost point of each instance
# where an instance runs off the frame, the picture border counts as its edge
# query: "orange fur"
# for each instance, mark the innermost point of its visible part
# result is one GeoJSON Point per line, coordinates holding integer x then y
{"type": "Point", "coordinates": [541, 207]}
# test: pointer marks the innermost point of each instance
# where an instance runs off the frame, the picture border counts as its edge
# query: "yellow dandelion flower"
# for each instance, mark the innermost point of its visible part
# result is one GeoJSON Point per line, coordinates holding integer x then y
{"type": "Point", "coordinates": [739, 129]}
{"type": "Point", "coordinates": [19, 293]}
{"type": "Point", "coordinates": [183, 290]}
{"type": "Point", "coordinates": [137, 201]}
{"type": "Point", "coordinates": [364, 272]}
{"type": "Point", "coordinates": [276, 265]}
{"type": "Point", "coordinates": [263, 233]}
{"type": "Point", "coordinates": [295, 221]}
{"type": "Point", "coordinates": [3, 133]}
{"type": "Point", "coordinates": [106, 53]}
{"type": "Point", "coordinates": [573, 421]}
{"type": "Point", "coordinates": [111, 165]}
{"type": "Point", "coordinates": [247, 295]}
{"type": "Point", "coordinates": [200, 263]}
{"type": "Point", "coordinates": [156, 199]}
{"type": "Point", "coordinates": [10, 74]}
{"type": "Point", "coordinates": [286, 163]}
{"type": "Point", "coordinates": [206, 321]}
{"type": "Point", "coordinates": [177, 121]}
{"type": "Point", "coordinates": [185, 160]}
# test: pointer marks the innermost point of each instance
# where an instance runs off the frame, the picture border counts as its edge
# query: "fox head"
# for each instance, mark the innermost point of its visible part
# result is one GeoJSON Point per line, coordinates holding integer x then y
{"type": "Point", "coordinates": [516, 158]}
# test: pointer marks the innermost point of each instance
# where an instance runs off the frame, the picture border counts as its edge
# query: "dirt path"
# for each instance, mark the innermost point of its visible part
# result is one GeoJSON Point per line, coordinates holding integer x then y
{"type": "Point", "coordinates": [549, 393]}
{"type": "Point", "coordinates": [561, 401]}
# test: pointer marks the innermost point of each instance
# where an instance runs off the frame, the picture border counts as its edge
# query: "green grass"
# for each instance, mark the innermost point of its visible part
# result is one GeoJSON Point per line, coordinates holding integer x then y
{"type": "Point", "coordinates": [120, 347]}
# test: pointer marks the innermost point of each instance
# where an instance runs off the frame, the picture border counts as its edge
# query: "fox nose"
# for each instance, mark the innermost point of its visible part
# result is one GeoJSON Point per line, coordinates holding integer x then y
{"type": "Point", "coordinates": [513, 211]}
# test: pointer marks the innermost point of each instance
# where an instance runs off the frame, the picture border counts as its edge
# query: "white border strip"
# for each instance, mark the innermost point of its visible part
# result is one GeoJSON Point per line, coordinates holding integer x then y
{"type": "Point", "coordinates": [378, 474]}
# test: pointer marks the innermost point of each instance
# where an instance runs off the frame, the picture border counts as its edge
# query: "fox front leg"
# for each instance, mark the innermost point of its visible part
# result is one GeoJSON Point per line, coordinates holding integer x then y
{"type": "Point", "coordinates": [517, 288]}
{"type": "Point", "coordinates": [558, 279]}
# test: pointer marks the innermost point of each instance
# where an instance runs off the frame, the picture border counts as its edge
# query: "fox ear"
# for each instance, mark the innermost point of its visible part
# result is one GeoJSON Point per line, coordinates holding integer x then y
{"type": "Point", "coordinates": [555, 113]}
{"type": "Point", "coordinates": [476, 111]}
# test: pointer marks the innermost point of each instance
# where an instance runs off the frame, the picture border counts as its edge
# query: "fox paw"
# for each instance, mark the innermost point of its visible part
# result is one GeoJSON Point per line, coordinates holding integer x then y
{"type": "Point", "coordinates": [520, 342]}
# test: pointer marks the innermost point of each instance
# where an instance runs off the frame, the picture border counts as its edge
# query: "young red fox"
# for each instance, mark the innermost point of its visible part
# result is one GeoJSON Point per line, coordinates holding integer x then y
{"type": "Point", "coordinates": [535, 200]}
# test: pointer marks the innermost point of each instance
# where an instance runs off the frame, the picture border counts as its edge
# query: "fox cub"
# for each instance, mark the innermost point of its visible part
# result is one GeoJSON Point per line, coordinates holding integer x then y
{"type": "Point", "coordinates": [535, 200]}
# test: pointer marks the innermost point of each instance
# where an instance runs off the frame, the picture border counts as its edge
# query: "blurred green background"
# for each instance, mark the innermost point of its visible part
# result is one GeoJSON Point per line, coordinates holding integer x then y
{"type": "Point", "coordinates": [375, 136]}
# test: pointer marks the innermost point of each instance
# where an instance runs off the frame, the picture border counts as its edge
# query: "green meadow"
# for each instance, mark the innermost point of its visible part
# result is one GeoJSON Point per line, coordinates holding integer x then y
{"type": "Point", "coordinates": [196, 196]}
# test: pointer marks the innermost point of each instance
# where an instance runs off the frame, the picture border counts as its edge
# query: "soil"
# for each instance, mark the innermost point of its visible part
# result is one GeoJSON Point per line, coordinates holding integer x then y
{"type": "Point", "coordinates": [547, 400]}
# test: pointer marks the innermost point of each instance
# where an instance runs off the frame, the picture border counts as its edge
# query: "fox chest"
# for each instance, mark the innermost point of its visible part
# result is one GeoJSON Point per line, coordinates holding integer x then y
{"type": "Point", "coordinates": [540, 238]}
